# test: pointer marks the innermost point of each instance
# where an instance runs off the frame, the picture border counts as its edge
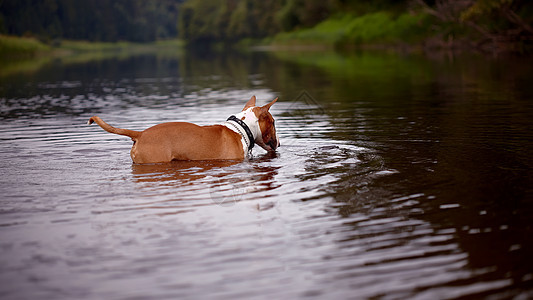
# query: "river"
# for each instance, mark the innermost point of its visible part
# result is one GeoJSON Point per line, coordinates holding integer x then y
{"type": "Point", "coordinates": [398, 177]}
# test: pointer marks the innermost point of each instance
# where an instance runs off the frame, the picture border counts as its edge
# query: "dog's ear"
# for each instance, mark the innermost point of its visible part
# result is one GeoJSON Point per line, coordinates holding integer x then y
{"type": "Point", "coordinates": [250, 103]}
{"type": "Point", "coordinates": [265, 108]}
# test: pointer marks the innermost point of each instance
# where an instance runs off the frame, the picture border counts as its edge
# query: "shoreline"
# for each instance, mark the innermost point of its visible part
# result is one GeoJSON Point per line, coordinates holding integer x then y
{"type": "Point", "coordinates": [27, 55]}
{"type": "Point", "coordinates": [13, 47]}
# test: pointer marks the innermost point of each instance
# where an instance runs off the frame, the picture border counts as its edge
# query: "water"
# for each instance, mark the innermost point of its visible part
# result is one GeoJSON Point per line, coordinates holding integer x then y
{"type": "Point", "coordinates": [397, 177]}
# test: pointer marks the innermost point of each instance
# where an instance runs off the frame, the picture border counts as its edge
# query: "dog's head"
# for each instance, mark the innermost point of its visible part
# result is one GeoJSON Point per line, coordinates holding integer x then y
{"type": "Point", "coordinates": [267, 138]}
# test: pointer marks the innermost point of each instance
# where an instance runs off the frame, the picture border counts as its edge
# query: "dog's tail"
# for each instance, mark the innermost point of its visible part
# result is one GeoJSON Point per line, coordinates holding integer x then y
{"type": "Point", "coordinates": [131, 133]}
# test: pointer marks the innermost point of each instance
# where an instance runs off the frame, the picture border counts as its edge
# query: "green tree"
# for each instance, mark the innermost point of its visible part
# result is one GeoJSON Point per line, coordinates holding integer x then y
{"type": "Point", "coordinates": [494, 22]}
{"type": "Point", "coordinates": [207, 20]}
{"type": "Point", "coordinates": [94, 20]}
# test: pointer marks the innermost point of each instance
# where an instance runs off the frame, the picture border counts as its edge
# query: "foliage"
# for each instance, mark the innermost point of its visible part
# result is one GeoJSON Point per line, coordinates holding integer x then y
{"type": "Point", "coordinates": [93, 20]}
{"type": "Point", "coordinates": [231, 20]}
{"type": "Point", "coordinates": [384, 27]}
{"type": "Point", "coordinates": [475, 22]}
{"type": "Point", "coordinates": [497, 23]}
{"type": "Point", "coordinates": [481, 7]}
{"type": "Point", "coordinates": [435, 23]}
{"type": "Point", "coordinates": [27, 55]}
{"type": "Point", "coordinates": [379, 27]}
{"type": "Point", "coordinates": [20, 47]}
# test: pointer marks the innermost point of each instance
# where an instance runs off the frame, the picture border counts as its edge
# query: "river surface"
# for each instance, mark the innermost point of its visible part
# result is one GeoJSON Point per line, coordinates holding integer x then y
{"type": "Point", "coordinates": [398, 177]}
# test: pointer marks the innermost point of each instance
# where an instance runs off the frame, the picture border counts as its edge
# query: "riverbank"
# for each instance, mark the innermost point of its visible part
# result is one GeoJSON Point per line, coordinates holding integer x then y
{"type": "Point", "coordinates": [409, 31]}
{"type": "Point", "coordinates": [12, 47]}
{"type": "Point", "coordinates": [380, 28]}
{"type": "Point", "coordinates": [27, 54]}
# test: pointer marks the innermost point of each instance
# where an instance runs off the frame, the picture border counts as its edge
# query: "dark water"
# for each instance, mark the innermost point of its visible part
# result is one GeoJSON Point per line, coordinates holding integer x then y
{"type": "Point", "coordinates": [398, 177]}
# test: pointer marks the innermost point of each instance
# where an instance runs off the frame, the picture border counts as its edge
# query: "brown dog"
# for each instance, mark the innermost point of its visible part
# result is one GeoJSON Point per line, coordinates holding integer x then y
{"type": "Point", "coordinates": [186, 141]}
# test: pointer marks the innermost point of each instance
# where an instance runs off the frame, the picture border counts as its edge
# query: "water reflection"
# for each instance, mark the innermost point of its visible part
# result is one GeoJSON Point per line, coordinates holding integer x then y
{"type": "Point", "coordinates": [405, 178]}
{"type": "Point", "coordinates": [455, 135]}
{"type": "Point", "coordinates": [182, 172]}
{"type": "Point", "coordinates": [226, 182]}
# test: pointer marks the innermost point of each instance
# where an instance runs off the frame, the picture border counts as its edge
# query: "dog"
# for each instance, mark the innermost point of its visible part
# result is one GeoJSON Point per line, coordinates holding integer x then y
{"type": "Point", "coordinates": [232, 140]}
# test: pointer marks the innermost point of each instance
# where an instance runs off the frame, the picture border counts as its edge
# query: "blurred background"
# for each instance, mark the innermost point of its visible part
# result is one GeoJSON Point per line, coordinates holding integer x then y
{"type": "Point", "coordinates": [405, 169]}
{"type": "Point", "coordinates": [488, 25]}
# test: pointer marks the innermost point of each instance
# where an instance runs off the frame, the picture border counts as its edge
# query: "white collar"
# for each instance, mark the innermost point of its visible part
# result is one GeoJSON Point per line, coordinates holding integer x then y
{"type": "Point", "coordinates": [236, 127]}
{"type": "Point", "coordinates": [248, 117]}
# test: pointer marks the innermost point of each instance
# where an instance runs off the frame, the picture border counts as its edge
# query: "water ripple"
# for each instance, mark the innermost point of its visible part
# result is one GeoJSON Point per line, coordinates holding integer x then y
{"type": "Point", "coordinates": [349, 205]}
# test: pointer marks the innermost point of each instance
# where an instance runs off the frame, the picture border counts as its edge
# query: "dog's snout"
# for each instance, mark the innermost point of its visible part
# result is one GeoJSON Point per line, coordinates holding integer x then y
{"type": "Point", "coordinates": [273, 144]}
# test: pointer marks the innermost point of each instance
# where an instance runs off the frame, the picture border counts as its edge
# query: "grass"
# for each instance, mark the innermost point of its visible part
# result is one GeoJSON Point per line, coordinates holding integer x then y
{"type": "Point", "coordinates": [26, 55]}
{"type": "Point", "coordinates": [374, 28]}
{"type": "Point", "coordinates": [86, 46]}
{"type": "Point", "coordinates": [27, 47]}
{"type": "Point", "coordinates": [20, 47]}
